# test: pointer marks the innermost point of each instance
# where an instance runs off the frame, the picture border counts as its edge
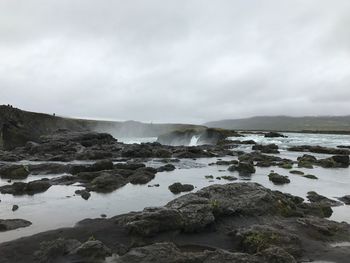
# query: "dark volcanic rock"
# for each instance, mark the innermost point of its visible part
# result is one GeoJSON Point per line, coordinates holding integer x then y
{"type": "Point", "coordinates": [243, 168]}
{"type": "Point", "coordinates": [83, 193]}
{"type": "Point", "coordinates": [14, 172]}
{"type": "Point", "coordinates": [257, 238]}
{"type": "Point", "coordinates": [142, 176]}
{"type": "Point", "coordinates": [11, 224]}
{"type": "Point", "coordinates": [166, 168]}
{"type": "Point", "coordinates": [93, 251]}
{"type": "Point", "coordinates": [48, 168]}
{"type": "Point", "coordinates": [274, 135]}
{"type": "Point", "coordinates": [31, 188]}
{"type": "Point", "coordinates": [177, 188]}
{"type": "Point", "coordinates": [169, 253]}
{"type": "Point", "coordinates": [278, 179]}
{"type": "Point", "coordinates": [319, 149]}
{"type": "Point", "coordinates": [205, 226]}
{"type": "Point", "coordinates": [345, 199]}
{"type": "Point", "coordinates": [269, 148]}
{"type": "Point", "coordinates": [316, 198]}
{"type": "Point", "coordinates": [106, 182]}
{"type": "Point", "coordinates": [55, 249]}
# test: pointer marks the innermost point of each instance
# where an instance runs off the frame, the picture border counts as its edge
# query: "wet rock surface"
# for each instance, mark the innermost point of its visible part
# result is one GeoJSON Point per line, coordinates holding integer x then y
{"type": "Point", "coordinates": [177, 188]}
{"type": "Point", "coordinates": [278, 179]}
{"type": "Point", "coordinates": [240, 222]}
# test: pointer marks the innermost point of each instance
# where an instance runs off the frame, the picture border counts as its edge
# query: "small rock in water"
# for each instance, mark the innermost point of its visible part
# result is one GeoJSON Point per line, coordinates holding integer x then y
{"type": "Point", "coordinates": [209, 177]}
{"type": "Point", "coordinates": [345, 199]}
{"type": "Point", "coordinates": [229, 178]}
{"type": "Point", "coordinates": [310, 176]}
{"type": "Point", "coordinates": [83, 193]}
{"type": "Point", "coordinates": [278, 179]}
{"type": "Point", "coordinates": [103, 215]}
{"type": "Point", "coordinates": [177, 188]}
{"type": "Point", "coordinates": [296, 172]}
{"type": "Point", "coordinates": [15, 207]}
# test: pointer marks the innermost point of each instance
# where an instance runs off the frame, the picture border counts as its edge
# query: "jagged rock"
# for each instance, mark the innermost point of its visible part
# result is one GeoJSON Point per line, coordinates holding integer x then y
{"type": "Point", "coordinates": [51, 250]}
{"type": "Point", "coordinates": [257, 238]}
{"type": "Point", "coordinates": [15, 208]}
{"type": "Point", "coordinates": [316, 198]}
{"type": "Point", "coordinates": [93, 251]}
{"type": "Point", "coordinates": [169, 253]}
{"type": "Point", "coordinates": [320, 228]}
{"type": "Point", "coordinates": [275, 254]}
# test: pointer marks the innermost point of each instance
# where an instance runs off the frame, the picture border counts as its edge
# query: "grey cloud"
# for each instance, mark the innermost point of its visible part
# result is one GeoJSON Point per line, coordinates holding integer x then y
{"type": "Point", "coordinates": [175, 61]}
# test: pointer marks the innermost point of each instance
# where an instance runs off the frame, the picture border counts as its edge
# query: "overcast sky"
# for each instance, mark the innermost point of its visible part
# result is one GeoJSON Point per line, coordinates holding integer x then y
{"type": "Point", "coordinates": [176, 61]}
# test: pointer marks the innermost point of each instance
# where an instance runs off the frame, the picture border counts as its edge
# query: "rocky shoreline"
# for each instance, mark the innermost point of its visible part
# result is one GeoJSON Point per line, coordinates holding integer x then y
{"type": "Point", "coordinates": [237, 222]}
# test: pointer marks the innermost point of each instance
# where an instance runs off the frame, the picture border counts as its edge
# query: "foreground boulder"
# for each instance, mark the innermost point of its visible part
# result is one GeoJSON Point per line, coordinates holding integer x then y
{"type": "Point", "coordinates": [239, 222]}
{"type": "Point", "coordinates": [193, 212]}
